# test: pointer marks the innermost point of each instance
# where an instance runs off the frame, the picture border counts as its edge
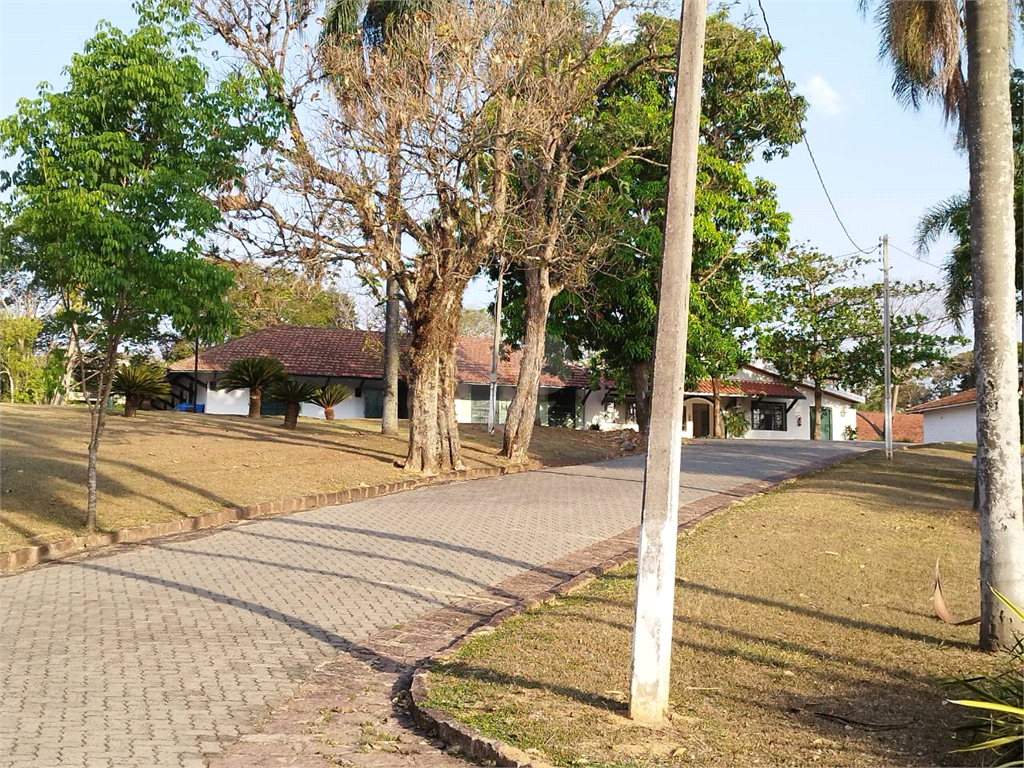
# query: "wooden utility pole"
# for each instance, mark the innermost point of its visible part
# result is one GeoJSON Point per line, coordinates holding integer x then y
{"type": "Point", "coordinates": [656, 558]}
{"type": "Point", "coordinates": [886, 348]}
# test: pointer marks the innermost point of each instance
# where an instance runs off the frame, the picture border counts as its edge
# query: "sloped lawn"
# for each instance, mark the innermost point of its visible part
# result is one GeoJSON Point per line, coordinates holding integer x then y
{"type": "Point", "coordinates": [161, 466]}
{"type": "Point", "coordinates": [803, 635]}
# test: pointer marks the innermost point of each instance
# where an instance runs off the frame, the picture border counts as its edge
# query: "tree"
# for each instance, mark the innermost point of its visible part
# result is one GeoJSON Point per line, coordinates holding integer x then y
{"type": "Point", "coordinates": [21, 371]}
{"type": "Point", "coordinates": [109, 192]}
{"type": "Point", "coordinates": [954, 375]}
{"type": "Point", "coordinates": [330, 185]}
{"type": "Point", "coordinates": [953, 216]}
{"type": "Point", "coordinates": [266, 296]}
{"type": "Point", "coordinates": [330, 396]}
{"type": "Point", "coordinates": [478, 323]}
{"type": "Point", "coordinates": [138, 382]}
{"type": "Point", "coordinates": [738, 229]}
{"type": "Point", "coordinates": [254, 374]}
{"type": "Point", "coordinates": [927, 61]}
{"type": "Point", "coordinates": [293, 394]}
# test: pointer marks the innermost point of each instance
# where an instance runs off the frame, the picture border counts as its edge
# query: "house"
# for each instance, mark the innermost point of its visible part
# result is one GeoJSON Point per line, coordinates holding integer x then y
{"type": "Point", "coordinates": [355, 359]}
{"type": "Point", "coordinates": [951, 419]}
{"type": "Point", "coordinates": [774, 408]}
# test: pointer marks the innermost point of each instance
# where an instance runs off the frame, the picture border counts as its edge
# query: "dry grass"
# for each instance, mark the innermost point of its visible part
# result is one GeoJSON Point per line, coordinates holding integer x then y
{"type": "Point", "coordinates": [803, 635]}
{"type": "Point", "coordinates": [161, 466]}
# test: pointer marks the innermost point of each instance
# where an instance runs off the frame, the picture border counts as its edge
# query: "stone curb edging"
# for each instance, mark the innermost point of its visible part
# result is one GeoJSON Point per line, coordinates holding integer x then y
{"type": "Point", "coordinates": [488, 751]}
{"type": "Point", "coordinates": [28, 557]}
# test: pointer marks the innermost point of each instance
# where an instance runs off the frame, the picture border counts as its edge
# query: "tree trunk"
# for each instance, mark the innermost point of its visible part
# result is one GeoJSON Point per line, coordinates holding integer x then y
{"type": "Point", "coordinates": [98, 420]}
{"type": "Point", "coordinates": [522, 411]}
{"type": "Point", "coordinates": [716, 408]}
{"type": "Point", "coordinates": [642, 374]}
{"type": "Point", "coordinates": [895, 397]}
{"type": "Point", "coordinates": [1001, 520]}
{"type": "Point", "coordinates": [389, 419]}
{"type": "Point", "coordinates": [816, 434]}
{"type": "Point", "coordinates": [131, 404]}
{"type": "Point", "coordinates": [254, 402]}
{"type": "Point", "coordinates": [291, 415]}
{"type": "Point", "coordinates": [433, 431]}
{"type": "Point", "coordinates": [69, 370]}
{"type": "Point", "coordinates": [328, 413]}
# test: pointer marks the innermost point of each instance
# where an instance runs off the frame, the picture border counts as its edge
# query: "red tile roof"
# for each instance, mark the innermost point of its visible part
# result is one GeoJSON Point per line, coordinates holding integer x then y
{"type": "Point", "coordinates": [342, 353]}
{"type": "Point", "coordinates": [748, 389]}
{"type": "Point", "coordinates": [960, 398]}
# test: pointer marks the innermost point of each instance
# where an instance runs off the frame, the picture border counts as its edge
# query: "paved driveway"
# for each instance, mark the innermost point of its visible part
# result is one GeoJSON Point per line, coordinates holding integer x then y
{"type": "Point", "coordinates": [152, 657]}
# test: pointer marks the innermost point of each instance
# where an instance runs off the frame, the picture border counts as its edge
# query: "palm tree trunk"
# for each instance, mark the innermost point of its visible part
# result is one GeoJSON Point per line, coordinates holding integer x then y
{"type": "Point", "coordinates": [291, 415]}
{"type": "Point", "coordinates": [131, 404]}
{"type": "Point", "coordinates": [254, 402]}
{"type": "Point", "coordinates": [329, 413]}
{"type": "Point", "coordinates": [1001, 518]}
{"type": "Point", "coordinates": [816, 434]}
{"type": "Point", "coordinates": [716, 408]}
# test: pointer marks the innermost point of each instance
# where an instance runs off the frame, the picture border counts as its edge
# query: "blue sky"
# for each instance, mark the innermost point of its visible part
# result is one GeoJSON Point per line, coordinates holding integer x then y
{"type": "Point", "coordinates": [883, 164]}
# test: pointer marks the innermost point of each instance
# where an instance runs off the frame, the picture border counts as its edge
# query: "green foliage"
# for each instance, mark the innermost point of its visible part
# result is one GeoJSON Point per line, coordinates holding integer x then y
{"type": "Point", "coordinates": [262, 297]}
{"type": "Point", "coordinates": [828, 331]}
{"type": "Point", "coordinates": [738, 228]}
{"type": "Point", "coordinates": [849, 432]}
{"type": "Point", "coordinates": [110, 191]}
{"type": "Point", "coordinates": [252, 373]}
{"type": "Point", "coordinates": [143, 380]}
{"type": "Point", "coordinates": [330, 396]}
{"type": "Point", "coordinates": [953, 216]}
{"type": "Point", "coordinates": [998, 696]}
{"type": "Point", "coordinates": [288, 390]}
{"type": "Point", "coordinates": [735, 422]}
{"type": "Point", "coordinates": [18, 360]}
{"type": "Point", "coordinates": [957, 374]}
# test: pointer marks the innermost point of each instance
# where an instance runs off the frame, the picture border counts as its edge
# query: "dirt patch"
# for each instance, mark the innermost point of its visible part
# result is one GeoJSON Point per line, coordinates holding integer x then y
{"type": "Point", "coordinates": [162, 466]}
{"type": "Point", "coordinates": [803, 635]}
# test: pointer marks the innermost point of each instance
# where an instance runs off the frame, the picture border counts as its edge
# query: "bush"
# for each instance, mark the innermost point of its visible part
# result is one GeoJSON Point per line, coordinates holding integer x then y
{"type": "Point", "coordinates": [999, 697]}
{"type": "Point", "coordinates": [293, 394]}
{"type": "Point", "coordinates": [849, 432]}
{"type": "Point", "coordinates": [735, 422]}
{"type": "Point", "coordinates": [138, 382]}
{"type": "Point", "coordinates": [330, 396]}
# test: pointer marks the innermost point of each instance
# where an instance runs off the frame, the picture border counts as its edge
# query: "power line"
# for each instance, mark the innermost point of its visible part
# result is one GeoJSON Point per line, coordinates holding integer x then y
{"type": "Point", "coordinates": [916, 258]}
{"type": "Point", "coordinates": [803, 132]}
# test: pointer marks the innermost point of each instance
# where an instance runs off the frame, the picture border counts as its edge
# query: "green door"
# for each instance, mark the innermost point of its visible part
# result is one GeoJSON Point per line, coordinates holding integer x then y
{"type": "Point", "coordinates": [826, 423]}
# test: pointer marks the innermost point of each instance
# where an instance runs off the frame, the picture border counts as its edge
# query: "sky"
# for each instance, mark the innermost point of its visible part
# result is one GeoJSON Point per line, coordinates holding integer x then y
{"type": "Point", "coordinates": [882, 164]}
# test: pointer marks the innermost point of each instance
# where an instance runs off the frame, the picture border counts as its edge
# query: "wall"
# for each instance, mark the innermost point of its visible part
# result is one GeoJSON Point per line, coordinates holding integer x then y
{"type": "Point", "coordinates": [955, 424]}
{"type": "Point", "coordinates": [797, 422]}
{"type": "Point", "coordinates": [236, 402]}
{"type": "Point", "coordinates": [906, 427]}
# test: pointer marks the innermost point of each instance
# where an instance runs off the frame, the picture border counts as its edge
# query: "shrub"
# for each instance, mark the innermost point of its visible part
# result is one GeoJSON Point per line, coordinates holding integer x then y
{"type": "Point", "coordinates": [138, 382]}
{"type": "Point", "coordinates": [999, 697]}
{"type": "Point", "coordinates": [330, 396]}
{"type": "Point", "coordinates": [735, 422]}
{"type": "Point", "coordinates": [849, 432]}
{"type": "Point", "coordinates": [293, 394]}
{"type": "Point", "coordinates": [253, 373]}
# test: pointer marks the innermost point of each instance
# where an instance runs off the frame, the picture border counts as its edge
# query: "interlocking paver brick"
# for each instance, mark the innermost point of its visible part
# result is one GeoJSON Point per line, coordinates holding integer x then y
{"type": "Point", "coordinates": [174, 645]}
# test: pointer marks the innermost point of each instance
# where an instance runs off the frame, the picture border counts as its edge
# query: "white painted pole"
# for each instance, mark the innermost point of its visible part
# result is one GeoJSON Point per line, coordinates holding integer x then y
{"type": "Point", "coordinates": [656, 557]}
{"type": "Point", "coordinates": [886, 345]}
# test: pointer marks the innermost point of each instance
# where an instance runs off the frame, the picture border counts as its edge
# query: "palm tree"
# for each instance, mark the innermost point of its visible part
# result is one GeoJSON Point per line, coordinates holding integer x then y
{"type": "Point", "coordinates": [924, 39]}
{"type": "Point", "coordinates": [138, 382]}
{"type": "Point", "coordinates": [252, 373]}
{"type": "Point", "coordinates": [293, 394]}
{"type": "Point", "coordinates": [330, 396]}
{"type": "Point", "coordinates": [953, 216]}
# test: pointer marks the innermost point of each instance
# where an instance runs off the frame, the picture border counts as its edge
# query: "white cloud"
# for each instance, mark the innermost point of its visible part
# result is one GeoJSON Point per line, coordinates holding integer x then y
{"type": "Point", "coordinates": [823, 96]}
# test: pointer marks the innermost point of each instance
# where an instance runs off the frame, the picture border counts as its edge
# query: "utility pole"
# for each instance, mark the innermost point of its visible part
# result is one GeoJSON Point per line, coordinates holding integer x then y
{"type": "Point", "coordinates": [656, 549]}
{"type": "Point", "coordinates": [887, 363]}
{"type": "Point", "coordinates": [389, 416]}
{"type": "Point", "coordinates": [492, 404]}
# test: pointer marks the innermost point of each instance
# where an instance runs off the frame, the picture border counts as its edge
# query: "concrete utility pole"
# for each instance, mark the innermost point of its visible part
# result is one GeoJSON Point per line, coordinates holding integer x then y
{"type": "Point", "coordinates": [492, 404]}
{"type": "Point", "coordinates": [886, 346]}
{"type": "Point", "coordinates": [656, 558]}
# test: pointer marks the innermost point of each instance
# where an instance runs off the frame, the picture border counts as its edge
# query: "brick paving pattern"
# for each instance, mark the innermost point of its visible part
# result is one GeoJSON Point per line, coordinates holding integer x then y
{"type": "Point", "coordinates": [165, 654]}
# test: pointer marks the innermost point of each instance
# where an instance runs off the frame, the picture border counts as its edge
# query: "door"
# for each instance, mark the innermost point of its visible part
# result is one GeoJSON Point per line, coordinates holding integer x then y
{"type": "Point", "coordinates": [826, 423]}
{"type": "Point", "coordinates": [701, 419]}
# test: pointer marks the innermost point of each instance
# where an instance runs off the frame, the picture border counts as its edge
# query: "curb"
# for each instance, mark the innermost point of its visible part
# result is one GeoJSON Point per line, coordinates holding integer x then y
{"type": "Point", "coordinates": [489, 751]}
{"type": "Point", "coordinates": [22, 559]}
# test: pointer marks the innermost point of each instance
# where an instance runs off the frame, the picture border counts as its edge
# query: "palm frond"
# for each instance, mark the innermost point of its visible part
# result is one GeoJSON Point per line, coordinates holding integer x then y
{"type": "Point", "coordinates": [331, 395]}
{"type": "Point", "coordinates": [289, 390]}
{"type": "Point", "coordinates": [142, 380]}
{"type": "Point", "coordinates": [252, 373]}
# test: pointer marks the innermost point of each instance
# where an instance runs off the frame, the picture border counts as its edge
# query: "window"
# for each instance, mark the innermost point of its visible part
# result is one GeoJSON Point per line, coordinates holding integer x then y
{"type": "Point", "coordinates": [768, 416]}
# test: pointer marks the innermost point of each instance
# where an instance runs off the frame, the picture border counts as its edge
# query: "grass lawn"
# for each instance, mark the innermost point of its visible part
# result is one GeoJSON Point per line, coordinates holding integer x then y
{"type": "Point", "coordinates": [803, 635]}
{"type": "Point", "coordinates": [161, 465]}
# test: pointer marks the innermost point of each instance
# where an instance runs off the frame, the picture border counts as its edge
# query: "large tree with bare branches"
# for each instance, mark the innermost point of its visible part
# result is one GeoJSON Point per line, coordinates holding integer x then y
{"type": "Point", "coordinates": [459, 81]}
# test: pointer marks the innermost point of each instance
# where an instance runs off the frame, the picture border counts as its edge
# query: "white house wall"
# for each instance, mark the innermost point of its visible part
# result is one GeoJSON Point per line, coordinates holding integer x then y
{"type": "Point", "coordinates": [221, 401]}
{"type": "Point", "coordinates": [955, 424]}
